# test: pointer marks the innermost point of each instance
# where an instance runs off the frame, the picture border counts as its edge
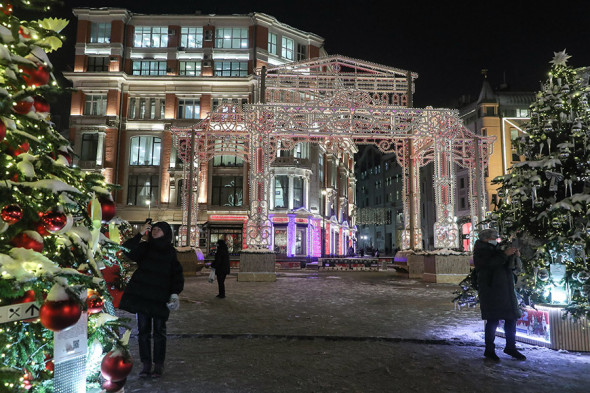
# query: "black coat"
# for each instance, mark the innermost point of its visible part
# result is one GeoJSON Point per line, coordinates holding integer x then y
{"type": "Point", "coordinates": [497, 297]}
{"type": "Point", "coordinates": [221, 262]}
{"type": "Point", "coordinates": [158, 275]}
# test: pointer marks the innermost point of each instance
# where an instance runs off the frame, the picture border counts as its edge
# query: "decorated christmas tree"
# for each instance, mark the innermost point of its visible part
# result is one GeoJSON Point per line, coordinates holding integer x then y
{"type": "Point", "coordinates": [544, 202]}
{"type": "Point", "coordinates": [51, 246]}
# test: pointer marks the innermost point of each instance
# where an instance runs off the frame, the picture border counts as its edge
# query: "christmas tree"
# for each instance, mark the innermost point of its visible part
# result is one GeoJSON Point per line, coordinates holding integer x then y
{"type": "Point", "coordinates": [544, 203]}
{"type": "Point", "coordinates": [51, 245]}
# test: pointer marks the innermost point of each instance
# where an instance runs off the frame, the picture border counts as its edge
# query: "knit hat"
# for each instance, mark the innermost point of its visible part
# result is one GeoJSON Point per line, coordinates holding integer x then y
{"type": "Point", "coordinates": [489, 233]}
{"type": "Point", "coordinates": [166, 239]}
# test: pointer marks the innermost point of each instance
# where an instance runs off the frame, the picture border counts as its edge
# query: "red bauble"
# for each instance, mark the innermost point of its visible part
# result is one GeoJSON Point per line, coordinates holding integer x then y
{"type": "Point", "coordinates": [35, 75]}
{"type": "Point", "coordinates": [6, 10]}
{"type": "Point", "coordinates": [113, 386]}
{"type": "Point", "coordinates": [59, 315]}
{"type": "Point", "coordinates": [114, 367]}
{"type": "Point", "coordinates": [40, 104]}
{"type": "Point", "coordinates": [49, 365]}
{"type": "Point", "coordinates": [23, 148]}
{"type": "Point", "coordinates": [107, 207]}
{"type": "Point", "coordinates": [11, 214]}
{"type": "Point", "coordinates": [2, 130]}
{"type": "Point", "coordinates": [21, 31]}
{"type": "Point", "coordinates": [41, 230]}
{"type": "Point", "coordinates": [54, 221]}
{"type": "Point", "coordinates": [27, 240]}
{"type": "Point", "coordinates": [66, 155]}
{"type": "Point", "coordinates": [94, 302]}
{"type": "Point", "coordinates": [23, 107]}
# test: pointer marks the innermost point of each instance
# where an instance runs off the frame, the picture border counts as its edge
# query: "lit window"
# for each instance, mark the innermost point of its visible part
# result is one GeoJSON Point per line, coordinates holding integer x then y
{"type": "Point", "coordinates": [151, 37]}
{"type": "Point", "coordinates": [145, 150]}
{"type": "Point", "coordinates": [297, 192]}
{"type": "Point", "coordinates": [281, 192]}
{"type": "Point", "coordinates": [100, 32]}
{"type": "Point", "coordinates": [227, 191]}
{"type": "Point", "coordinates": [191, 37]}
{"type": "Point", "coordinates": [217, 102]}
{"type": "Point", "coordinates": [189, 109]}
{"type": "Point", "coordinates": [231, 68]}
{"type": "Point", "coordinates": [142, 188]}
{"type": "Point", "coordinates": [288, 48]}
{"type": "Point", "coordinates": [272, 43]}
{"type": "Point", "coordinates": [231, 38]}
{"type": "Point", "coordinates": [190, 68]}
{"type": "Point", "coordinates": [301, 52]}
{"type": "Point", "coordinates": [149, 67]}
{"type": "Point", "coordinates": [95, 105]}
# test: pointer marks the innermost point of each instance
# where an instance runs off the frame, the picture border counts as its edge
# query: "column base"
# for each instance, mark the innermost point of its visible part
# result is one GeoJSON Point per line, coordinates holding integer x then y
{"type": "Point", "coordinates": [257, 267]}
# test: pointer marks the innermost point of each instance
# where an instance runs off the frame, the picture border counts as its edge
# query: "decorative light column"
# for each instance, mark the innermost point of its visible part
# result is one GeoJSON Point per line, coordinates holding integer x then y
{"type": "Point", "coordinates": [446, 232]}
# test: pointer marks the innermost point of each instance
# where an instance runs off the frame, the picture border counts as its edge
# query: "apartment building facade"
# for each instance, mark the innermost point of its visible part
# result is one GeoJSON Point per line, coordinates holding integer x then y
{"type": "Point", "coordinates": [137, 76]}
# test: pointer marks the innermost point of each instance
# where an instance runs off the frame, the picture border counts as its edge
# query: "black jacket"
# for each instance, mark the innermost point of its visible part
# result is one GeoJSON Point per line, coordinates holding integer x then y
{"type": "Point", "coordinates": [158, 275]}
{"type": "Point", "coordinates": [221, 262]}
{"type": "Point", "coordinates": [497, 297]}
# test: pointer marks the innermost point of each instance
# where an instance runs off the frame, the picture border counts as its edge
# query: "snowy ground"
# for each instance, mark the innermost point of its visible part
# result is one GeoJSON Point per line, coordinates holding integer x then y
{"type": "Point", "coordinates": [342, 332]}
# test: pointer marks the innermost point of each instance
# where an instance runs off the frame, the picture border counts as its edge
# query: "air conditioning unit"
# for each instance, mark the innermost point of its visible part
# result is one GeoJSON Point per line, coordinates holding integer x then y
{"type": "Point", "coordinates": [207, 63]}
{"type": "Point", "coordinates": [208, 35]}
{"type": "Point", "coordinates": [181, 48]}
{"type": "Point", "coordinates": [113, 59]}
{"type": "Point", "coordinates": [206, 56]}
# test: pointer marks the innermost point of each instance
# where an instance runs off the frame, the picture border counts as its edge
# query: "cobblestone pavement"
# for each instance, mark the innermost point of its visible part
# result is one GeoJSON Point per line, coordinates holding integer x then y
{"type": "Point", "coordinates": [342, 332]}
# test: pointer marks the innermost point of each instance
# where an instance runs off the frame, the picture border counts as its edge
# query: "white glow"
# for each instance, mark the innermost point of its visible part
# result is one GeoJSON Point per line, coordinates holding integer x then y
{"type": "Point", "coordinates": [231, 56]}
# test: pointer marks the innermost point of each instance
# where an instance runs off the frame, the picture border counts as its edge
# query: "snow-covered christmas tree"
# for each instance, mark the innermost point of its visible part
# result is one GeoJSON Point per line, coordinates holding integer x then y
{"type": "Point", "coordinates": [545, 199]}
{"type": "Point", "coordinates": [51, 245]}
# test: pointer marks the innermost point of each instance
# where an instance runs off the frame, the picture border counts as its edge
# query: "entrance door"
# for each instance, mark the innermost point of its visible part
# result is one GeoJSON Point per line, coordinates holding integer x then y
{"type": "Point", "coordinates": [300, 248]}
{"type": "Point", "coordinates": [280, 236]}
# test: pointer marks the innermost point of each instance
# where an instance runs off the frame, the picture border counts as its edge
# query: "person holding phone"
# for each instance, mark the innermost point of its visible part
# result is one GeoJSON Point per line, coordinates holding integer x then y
{"type": "Point", "coordinates": [497, 297]}
{"type": "Point", "coordinates": [152, 291]}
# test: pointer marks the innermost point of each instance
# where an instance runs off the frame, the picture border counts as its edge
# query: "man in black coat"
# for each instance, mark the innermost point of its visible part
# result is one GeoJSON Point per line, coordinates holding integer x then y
{"type": "Point", "coordinates": [221, 265]}
{"type": "Point", "coordinates": [497, 297]}
{"type": "Point", "coordinates": [152, 291]}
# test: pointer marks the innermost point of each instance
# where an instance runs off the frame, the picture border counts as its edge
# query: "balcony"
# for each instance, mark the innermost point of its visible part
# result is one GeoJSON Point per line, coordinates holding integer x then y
{"type": "Point", "coordinates": [304, 163]}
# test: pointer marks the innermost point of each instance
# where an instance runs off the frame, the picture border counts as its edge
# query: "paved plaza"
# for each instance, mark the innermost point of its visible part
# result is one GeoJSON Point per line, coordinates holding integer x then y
{"type": "Point", "coordinates": [332, 331]}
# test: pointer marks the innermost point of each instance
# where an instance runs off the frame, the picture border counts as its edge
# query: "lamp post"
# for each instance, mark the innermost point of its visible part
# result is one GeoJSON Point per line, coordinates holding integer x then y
{"type": "Point", "coordinates": [323, 213]}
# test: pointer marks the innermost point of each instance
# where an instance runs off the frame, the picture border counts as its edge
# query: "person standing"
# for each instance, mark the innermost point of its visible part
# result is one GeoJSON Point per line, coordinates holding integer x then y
{"type": "Point", "coordinates": [497, 297]}
{"type": "Point", "coordinates": [152, 291]}
{"type": "Point", "coordinates": [221, 265]}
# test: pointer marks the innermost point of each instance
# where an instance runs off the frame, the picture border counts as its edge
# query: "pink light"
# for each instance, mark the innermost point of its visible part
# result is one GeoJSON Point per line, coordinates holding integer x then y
{"type": "Point", "coordinates": [216, 217]}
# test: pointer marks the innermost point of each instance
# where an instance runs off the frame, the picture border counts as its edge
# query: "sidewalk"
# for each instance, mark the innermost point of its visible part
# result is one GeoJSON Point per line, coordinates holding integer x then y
{"type": "Point", "coordinates": [342, 332]}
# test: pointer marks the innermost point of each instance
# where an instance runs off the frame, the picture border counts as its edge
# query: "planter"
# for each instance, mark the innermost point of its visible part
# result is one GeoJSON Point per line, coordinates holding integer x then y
{"type": "Point", "coordinates": [545, 326]}
{"type": "Point", "coordinates": [415, 265]}
{"type": "Point", "coordinates": [257, 267]}
{"type": "Point", "coordinates": [448, 269]}
{"type": "Point", "coordinates": [189, 261]}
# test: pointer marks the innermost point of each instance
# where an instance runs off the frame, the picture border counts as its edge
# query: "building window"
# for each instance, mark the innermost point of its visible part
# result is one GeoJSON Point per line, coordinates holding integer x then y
{"type": "Point", "coordinates": [145, 150]}
{"type": "Point", "coordinates": [190, 68]}
{"type": "Point", "coordinates": [189, 109]}
{"type": "Point", "coordinates": [217, 102]}
{"type": "Point", "coordinates": [281, 192]}
{"type": "Point", "coordinates": [227, 161]}
{"type": "Point", "coordinates": [462, 183]}
{"type": "Point", "coordinates": [288, 48]}
{"type": "Point", "coordinates": [232, 237]}
{"type": "Point", "coordinates": [301, 52]}
{"type": "Point", "coordinates": [321, 169]}
{"type": "Point", "coordinates": [231, 38]}
{"type": "Point", "coordinates": [100, 33]}
{"type": "Point", "coordinates": [95, 105]}
{"type": "Point", "coordinates": [272, 43]}
{"type": "Point", "coordinates": [191, 37]}
{"type": "Point", "coordinates": [231, 68]}
{"type": "Point", "coordinates": [463, 203]}
{"type": "Point", "coordinates": [142, 188]}
{"type": "Point", "coordinates": [227, 191]}
{"type": "Point", "coordinates": [98, 64]}
{"type": "Point", "coordinates": [151, 37]}
{"type": "Point", "coordinates": [132, 112]}
{"type": "Point", "coordinates": [149, 67]}
{"type": "Point", "coordinates": [89, 147]}
{"type": "Point", "coordinates": [522, 113]}
{"type": "Point", "coordinates": [297, 192]}
{"type": "Point", "coordinates": [301, 150]}
{"type": "Point", "coordinates": [179, 191]}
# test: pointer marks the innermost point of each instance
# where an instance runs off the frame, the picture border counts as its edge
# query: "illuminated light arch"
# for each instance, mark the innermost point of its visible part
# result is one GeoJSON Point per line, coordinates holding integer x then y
{"type": "Point", "coordinates": [338, 101]}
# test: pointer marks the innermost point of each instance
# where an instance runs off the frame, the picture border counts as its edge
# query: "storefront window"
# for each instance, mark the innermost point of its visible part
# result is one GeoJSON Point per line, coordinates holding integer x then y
{"type": "Point", "coordinates": [232, 237]}
{"type": "Point", "coordinates": [280, 235]}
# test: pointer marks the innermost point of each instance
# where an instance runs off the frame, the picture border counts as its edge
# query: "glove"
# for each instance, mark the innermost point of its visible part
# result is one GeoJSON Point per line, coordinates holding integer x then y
{"type": "Point", "coordinates": [173, 304]}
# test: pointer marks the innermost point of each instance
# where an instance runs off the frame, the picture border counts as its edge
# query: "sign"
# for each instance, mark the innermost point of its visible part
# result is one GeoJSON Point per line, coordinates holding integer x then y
{"type": "Point", "coordinates": [71, 342]}
{"type": "Point", "coordinates": [301, 221]}
{"type": "Point", "coordinates": [280, 219]}
{"type": "Point", "coordinates": [19, 311]}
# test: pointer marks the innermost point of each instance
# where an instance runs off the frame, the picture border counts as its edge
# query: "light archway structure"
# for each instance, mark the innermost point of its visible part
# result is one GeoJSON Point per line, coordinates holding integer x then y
{"type": "Point", "coordinates": [337, 101]}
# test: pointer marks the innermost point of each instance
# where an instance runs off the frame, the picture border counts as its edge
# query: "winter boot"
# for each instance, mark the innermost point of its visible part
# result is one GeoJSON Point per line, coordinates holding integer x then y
{"type": "Point", "coordinates": [512, 351]}
{"type": "Point", "coordinates": [490, 353]}
{"type": "Point", "coordinates": [158, 370]}
{"type": "Point", "coordinates": [146, 370]}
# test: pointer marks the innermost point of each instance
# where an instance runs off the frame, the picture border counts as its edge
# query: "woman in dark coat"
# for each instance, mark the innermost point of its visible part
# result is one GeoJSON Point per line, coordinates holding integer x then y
{"type": "Point", "coordinates": [497, 297]}
{"type": "Point", "coordinates": [153, 291]}
{"type": "Point", "coordinates": [221, 265]}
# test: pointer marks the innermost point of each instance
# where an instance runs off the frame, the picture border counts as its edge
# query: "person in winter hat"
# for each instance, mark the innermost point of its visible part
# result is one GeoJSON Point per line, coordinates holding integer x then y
{"type": "Point", "coordinates": [221, 265]}
{"type": "Point", "coordinates": [497, 297]}
{"type": "Point", "coordinates": [152, 291]}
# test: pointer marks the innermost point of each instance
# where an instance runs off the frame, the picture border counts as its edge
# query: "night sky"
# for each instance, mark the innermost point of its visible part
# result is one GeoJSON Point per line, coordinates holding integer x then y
{"type": "Point", "coordinates": [447, 43]}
